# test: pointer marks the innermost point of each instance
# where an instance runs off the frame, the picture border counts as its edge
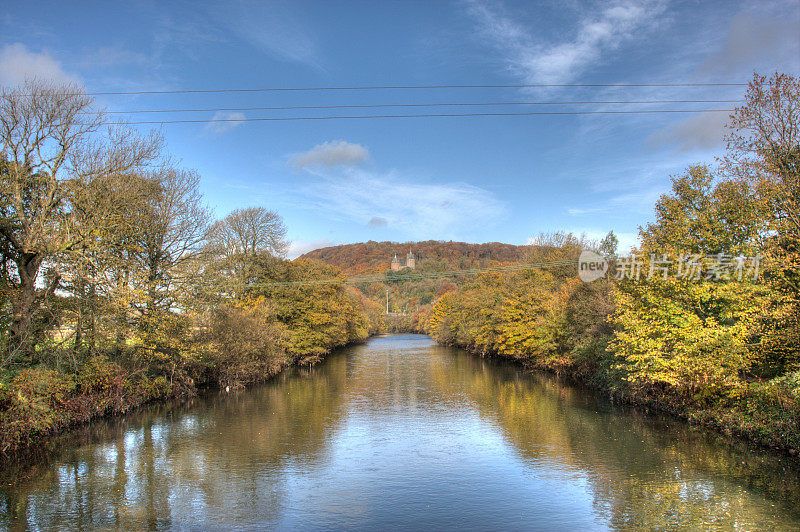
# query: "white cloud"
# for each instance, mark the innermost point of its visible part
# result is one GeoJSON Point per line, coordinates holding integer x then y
{"type": "Point", "coordinates": [417, 210]}
{"type": "Point", "coordinates": [223, 121]}
{"type": "Point", "coordinates": [329, 154]}
{"type": "Point", "coordinates": [18, 64]}
{"type": "Point", "coordinates": [301, 247]}
{"type": "Point", "coordinates": [561, 62]}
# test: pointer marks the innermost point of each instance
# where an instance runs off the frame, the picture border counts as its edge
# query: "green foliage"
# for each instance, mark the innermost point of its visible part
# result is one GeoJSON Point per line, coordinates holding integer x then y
{"type": "Point", "coordinates": [316, 317]}
{"type": "Point", "coordinates": [545, 317]}
{"type": "Point", "coordinates": [692, 336]}
{"type": "Point", "coordinates": [701, 216]}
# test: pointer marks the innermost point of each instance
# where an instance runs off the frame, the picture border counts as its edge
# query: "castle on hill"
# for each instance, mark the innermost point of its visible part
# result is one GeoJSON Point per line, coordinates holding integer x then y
{"type": "Point", "coordinates": [410, 262]}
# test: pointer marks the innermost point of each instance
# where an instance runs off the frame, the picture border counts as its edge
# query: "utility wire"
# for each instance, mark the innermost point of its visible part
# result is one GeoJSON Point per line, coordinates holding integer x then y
{"type": "Point", "coordinates": [384, 105]}
{"type": "Point", "coordinates": [411, 87]}
{"type": "Point", "coordinates": [426, 115]}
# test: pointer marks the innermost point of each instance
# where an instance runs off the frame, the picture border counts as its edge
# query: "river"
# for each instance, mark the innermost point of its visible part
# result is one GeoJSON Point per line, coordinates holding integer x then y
{"type": "Point", "coordinates": [401, 433]}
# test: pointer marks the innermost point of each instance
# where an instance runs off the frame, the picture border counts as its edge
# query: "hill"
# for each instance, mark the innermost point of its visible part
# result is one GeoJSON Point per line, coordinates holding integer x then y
{"type": "Point", "coordinates": [431, 255]}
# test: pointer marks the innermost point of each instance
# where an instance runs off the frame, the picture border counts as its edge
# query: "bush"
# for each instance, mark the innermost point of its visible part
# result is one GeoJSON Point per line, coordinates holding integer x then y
{"type": "Point", "coordinates": [247, 345]}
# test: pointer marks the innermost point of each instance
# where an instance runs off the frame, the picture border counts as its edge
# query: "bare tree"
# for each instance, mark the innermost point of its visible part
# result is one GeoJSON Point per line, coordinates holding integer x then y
{"type": "Point", "coordinates": [246, 235]}
{"type": "Point", "coordinates": [53, 145]}
{"type": "Point", "coordinates": [172, 235]}
{"type": "Point", "coordinates": [252, 230]}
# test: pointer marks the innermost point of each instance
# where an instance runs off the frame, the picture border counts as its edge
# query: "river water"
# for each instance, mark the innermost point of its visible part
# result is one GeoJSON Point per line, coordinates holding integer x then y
{"type": "Point", "coordinates": [401, 433]}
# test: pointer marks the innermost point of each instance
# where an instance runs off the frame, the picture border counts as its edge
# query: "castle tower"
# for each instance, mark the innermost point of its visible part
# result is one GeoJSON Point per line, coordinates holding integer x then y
{"type": "Point", "coordinates": [395, 263]}
{"type": "Point", "coordinates": [410, 262]}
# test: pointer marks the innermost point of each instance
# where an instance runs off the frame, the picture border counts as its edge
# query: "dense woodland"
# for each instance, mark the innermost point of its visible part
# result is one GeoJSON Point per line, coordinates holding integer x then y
{"type": "Point", "coordinates": [431, 255]}
{"type": "Point", "coordinates": [715, 349]}
{"type": "Point", "coordinates": [119, 287]}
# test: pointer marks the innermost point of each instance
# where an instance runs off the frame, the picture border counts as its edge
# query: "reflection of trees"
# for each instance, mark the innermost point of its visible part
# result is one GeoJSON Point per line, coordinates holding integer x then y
{"type": "Point", "coordinates": [645, 472]}
{"type": "Point", "coordinates": [228, 457]}
{"type": "Point", "coordinates": [163, 465]}
{"type": "Point", "coordinates": [390, 379]}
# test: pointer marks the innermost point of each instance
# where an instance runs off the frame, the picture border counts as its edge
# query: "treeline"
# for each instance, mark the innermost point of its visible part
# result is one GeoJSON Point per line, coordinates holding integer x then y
{"type": "Point", "coordinates": [702, 320]}
{"type": "Point", "coordinates": [431, 255]}
{"type": "Point", "coordinates": [117, 286]}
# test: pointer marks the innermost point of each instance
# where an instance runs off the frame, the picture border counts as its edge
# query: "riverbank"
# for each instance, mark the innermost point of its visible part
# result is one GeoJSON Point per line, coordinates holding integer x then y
{"type": "Point", "coordinates": [395, 431]}
{"type": "Point", "coordinates": [756, 414]}
{"type": "Point", "coordinates": [39, 403]}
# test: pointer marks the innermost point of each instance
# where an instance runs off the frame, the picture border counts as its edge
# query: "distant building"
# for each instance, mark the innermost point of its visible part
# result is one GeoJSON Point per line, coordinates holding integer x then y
{"type": "Point", "coordinates": [411, 262]}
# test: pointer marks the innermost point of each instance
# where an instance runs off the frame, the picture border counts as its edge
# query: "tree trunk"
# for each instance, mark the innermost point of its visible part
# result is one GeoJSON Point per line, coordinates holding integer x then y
{"type": "Point", "coordinates": [24, 302]}
{"type": "Point", "coordinates": [27, 301]}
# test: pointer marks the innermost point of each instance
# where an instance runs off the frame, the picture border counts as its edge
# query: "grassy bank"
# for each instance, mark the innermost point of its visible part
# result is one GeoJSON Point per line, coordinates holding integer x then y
{"type": "Point", "coordinates": [37, 403]}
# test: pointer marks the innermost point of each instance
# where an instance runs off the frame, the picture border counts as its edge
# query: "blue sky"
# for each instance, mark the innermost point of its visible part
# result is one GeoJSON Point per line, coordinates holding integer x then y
{"type": "Point", "coordinates": [475, 179]}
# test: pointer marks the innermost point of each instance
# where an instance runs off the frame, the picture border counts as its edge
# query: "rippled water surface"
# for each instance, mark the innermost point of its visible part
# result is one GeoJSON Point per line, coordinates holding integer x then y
{"type": "Point", "coordinates": [401, 433]}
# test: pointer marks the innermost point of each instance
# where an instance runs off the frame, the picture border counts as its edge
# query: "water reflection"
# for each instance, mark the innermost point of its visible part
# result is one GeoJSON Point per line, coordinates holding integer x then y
{"type": "Point", "coordinates": [400, 433]}
{"type": "Point", "coordinates": [646, 472]}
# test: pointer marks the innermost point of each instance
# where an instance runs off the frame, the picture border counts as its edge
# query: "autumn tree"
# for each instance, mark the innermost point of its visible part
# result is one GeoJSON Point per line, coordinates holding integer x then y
{"type": "Point", "coordinates": [704, 215]}
{"type": "Point", "coordinates": [702, 333]}
{"type": "Point", "coordinates": [53, 146]}
{"type": "Point", "coordinates": [764, 150]}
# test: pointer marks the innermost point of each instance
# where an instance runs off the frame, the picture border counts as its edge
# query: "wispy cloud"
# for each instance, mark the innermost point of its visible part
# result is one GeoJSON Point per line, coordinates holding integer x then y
{"type": "Point", "coordinates": [112, 57]}
{"type": "Point", "coordinates": [563, 61]}
{"type": "Point", "coordinates": [273, 28]}
{"type": "Point", "coordinates": [580, 212]}
{"type": "Point", "coordinates": [330, 154]}
{"type": "Point", "coordinates": [419, 210]}
{"type": "Point", "coordinates": [620, 189]}
{"type": "Point", "coordinates": [640, 200]}
{"type": "Point", "coordinates": [223, 121]}
{"type": "Point", "coordinates": [179, 37]}
{"type": "Point", "coordinates": [17, 64]}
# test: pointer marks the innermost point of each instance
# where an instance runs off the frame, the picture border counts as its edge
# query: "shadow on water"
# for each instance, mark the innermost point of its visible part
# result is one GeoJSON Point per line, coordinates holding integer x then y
{"type": "Point", "coordinates": [400, 432]}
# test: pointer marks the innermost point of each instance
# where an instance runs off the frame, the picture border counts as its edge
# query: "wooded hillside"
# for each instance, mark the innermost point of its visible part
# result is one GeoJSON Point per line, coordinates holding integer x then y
{"type": "Point", "coordinates": [373, 257]}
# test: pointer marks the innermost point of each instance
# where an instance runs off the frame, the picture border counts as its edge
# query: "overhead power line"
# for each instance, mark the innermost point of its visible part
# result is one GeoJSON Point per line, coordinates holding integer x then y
{"type": "Point", "coordinates": [425, 115]}
{"type": "Point", "coordinates": [404, 105]}
{"type": "Point", "coordinates": [413, 87]}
